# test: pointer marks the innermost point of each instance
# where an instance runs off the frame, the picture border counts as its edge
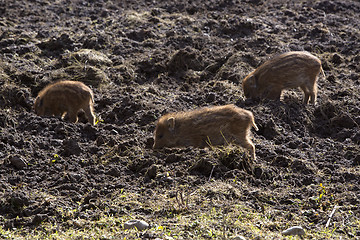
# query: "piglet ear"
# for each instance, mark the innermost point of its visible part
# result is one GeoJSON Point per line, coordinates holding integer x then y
{"type": "Point", "coordinates": [171, 123]}
{"type": "Point", "coordinates": [252, 81]}
{"type": "Point", "coordinates": [39, 101]}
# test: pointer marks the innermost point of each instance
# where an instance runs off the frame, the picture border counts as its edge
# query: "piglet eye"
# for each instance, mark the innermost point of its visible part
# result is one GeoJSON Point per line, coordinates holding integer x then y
{"type": "Point", "coordinates": [160, 136]}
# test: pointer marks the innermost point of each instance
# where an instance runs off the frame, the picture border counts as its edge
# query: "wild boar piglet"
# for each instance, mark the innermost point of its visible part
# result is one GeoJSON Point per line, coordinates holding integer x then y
{"type": "Point", "coordinates": [206, 127]}
{"type": "Point", "coordinates": [66, 98]}
{"type": "Point", "coordinates": [288, 70]}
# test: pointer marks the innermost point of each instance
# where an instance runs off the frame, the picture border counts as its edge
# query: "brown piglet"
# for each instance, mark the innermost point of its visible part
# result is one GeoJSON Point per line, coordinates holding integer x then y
{"type": "Point", "coordinates": [206, 127]}
{"type": "Point", "coordinates": [66, 97]}
{"type": "Point", "coordinates": [288, 70]}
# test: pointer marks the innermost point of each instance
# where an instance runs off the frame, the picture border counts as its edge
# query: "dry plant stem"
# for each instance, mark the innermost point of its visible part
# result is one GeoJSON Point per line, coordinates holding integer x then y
{"type": "Point", "coordinates": [331, 215]}
{"type": "Point", "coordinates": [182, 204]}
{"type": "Point", "coordinates": [212, 170]}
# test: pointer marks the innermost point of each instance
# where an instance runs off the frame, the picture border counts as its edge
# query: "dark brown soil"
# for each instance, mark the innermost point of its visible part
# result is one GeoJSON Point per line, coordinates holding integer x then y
{"type": "Point", "coordinates": [167, 56]}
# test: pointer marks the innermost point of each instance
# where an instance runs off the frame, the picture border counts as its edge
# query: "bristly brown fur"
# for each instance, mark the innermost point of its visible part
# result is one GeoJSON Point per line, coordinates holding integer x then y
{"type": "Point", "coordinates": [206, 127]}
{"type": "Point", "coordinates": [288, 70]}
{"type": "Point", "coordinates": [66, 97]}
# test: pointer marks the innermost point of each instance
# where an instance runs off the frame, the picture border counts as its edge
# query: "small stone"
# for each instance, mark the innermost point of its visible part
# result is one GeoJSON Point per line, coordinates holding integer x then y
{"type": "Point", "coordinates": [296, 230]}
{"type": "Point", "coordinates": [152, 171]}
{"type": "Point", "coordinates": [164, 177]}
{"type": "Point", "coordinates": [18, 162]}
{"type": "Point", "coordinates": [239, 238]}
{"type": "Point", "coordinates": [165, 238]}
{"type": "Point", "coordinates": [139, 224]}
